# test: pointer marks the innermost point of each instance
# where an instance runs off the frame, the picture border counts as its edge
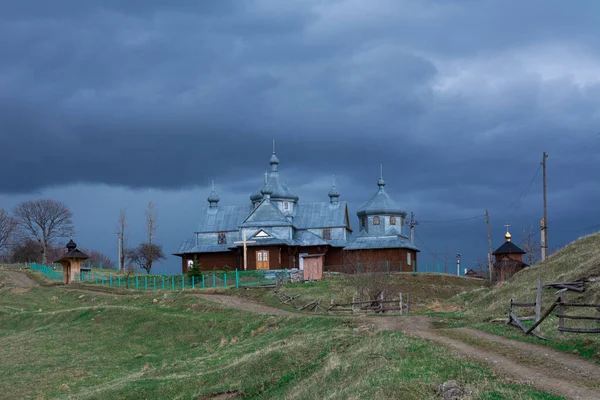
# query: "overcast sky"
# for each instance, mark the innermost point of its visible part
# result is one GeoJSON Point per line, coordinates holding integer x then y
{"type": "Point", "coordinates": [107, 105]}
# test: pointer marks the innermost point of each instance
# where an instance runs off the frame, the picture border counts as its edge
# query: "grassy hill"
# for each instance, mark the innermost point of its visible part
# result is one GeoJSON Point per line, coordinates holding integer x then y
{"type": "Point", "coordinates": [426, 290]}
{"type": "Point", "coordinates": [56, 343]}
{"type": "Point", "coordinates": [580, 259]}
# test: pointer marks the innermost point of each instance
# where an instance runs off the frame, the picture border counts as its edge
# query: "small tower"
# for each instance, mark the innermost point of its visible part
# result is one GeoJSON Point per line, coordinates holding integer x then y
{"type": "Point", "coordinates": [213, 198]}
{"type": "Point", "coordinates": [508, 259]}
{"type": "Point", "coordinates": [71, 262]}
{"type": "Point", "coordinates": [274, 161]}
{"type": "Point", "coordinates": [334, 195]}
{"type": "Point", "coordinates": [266, 191]}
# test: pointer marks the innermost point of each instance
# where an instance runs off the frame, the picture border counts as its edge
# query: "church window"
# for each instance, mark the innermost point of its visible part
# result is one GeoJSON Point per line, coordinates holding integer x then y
{"type": "Point", "coordinates": [375, 220]}
{"type": "Point", "coordinates": [408, 259]}
{"type": "Point", "coordinates": [286, 205]}
{"type": "Point", "coordinates": [327, 234]}
{"type": "Point", "coordinates": [222, 238]}
{"type": "Point", "coordinates": [392, 220]}
{"type": "Point", "coordinates": [363, 222]}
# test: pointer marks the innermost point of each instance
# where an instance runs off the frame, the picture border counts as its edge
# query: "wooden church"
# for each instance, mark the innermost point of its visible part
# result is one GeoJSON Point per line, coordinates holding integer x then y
{"type": "Point", "coordinates": [279, 231]}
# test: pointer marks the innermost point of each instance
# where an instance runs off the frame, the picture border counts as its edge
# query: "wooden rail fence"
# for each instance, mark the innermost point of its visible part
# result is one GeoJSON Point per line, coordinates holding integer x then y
{"type": "Point", "coordinates": [561, 304]}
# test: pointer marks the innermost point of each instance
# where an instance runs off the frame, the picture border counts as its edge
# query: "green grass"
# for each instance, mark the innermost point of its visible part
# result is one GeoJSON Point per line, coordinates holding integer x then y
{"type": "Point", "coordinates": [426, 290]}
{"type": "Point", "coordinates": [580, 259]}
{"type": "Point", "coordinates": [111, 346]}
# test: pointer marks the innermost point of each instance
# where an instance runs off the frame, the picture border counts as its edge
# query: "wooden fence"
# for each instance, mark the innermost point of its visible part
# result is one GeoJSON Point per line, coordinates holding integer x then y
{"type": "Point", "coordinates": [379, 305]}
{"type": "Point", "coordinates": [561, 304]}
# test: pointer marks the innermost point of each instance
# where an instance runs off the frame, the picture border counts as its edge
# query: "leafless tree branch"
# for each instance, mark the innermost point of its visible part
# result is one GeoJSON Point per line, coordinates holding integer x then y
{"type": "Point", "coordinates": [44, 221]}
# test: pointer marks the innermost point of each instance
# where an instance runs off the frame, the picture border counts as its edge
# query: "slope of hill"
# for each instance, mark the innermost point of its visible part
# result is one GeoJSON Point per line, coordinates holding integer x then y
{"type": "Point", "coordinates": [56, 342]}
{"type": "Point", "coordinates": [580, 259]}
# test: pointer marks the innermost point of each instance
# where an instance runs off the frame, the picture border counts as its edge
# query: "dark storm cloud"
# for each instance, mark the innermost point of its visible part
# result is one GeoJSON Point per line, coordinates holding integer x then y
{"type": "Point", "coordinates": [457, 99]}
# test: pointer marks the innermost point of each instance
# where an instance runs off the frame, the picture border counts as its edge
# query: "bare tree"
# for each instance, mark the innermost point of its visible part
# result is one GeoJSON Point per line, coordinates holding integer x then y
{"type": "Point", "coordinates": [7, 227]}
{"type": "Point", "coordinates": [530, 245]}
{"type": "Point", "coordinates": [370, 277]}
{"type": "Point", "coordinates": [122, 226]}
{"type": "Point", "coordinates": [151, 224]}
{"type": "Point", "coordinates": [145, 255]}
{"type": "Point", "coordinates": [44, 220]}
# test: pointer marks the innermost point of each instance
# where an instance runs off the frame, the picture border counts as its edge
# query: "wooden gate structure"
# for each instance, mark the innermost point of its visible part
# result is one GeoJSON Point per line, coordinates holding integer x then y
{"type": "Point", "coordinates": [313, 267]}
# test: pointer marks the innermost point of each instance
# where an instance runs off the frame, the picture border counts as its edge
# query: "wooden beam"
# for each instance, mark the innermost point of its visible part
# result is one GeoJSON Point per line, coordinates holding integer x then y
{"type": "Point", "coordinates": [580, 330]}
{"type": "Point", "coordinates": [543, 317]}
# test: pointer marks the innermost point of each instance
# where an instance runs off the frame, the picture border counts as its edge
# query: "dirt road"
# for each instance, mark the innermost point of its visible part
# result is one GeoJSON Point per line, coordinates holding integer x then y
{"type": "Point", "coordinates": [547, 369]}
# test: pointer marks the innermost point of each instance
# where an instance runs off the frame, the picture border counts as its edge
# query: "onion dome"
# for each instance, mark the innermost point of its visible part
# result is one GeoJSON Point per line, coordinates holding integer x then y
{"type": "Point", "coordinates": [213, 198]}
{"type": "Point", "coordinates": [266, 190]}
{"type": "Point", "coordinates": [279, 190]}
{"type": "Point", "coordinates": [507, 236]}
{"type": "Point", "coordinates": [381, 203]}
{"type": "Point", "coordinates": [71, 245]}
{"type": "Point", "coordinates": [334, 195]}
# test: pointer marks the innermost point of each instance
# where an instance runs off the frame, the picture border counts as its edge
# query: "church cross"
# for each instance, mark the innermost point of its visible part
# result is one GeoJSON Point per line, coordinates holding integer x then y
{"type": "Point", "coordinates": [245, 243]}
{"type": "Point", "coordinates": [507, 225]}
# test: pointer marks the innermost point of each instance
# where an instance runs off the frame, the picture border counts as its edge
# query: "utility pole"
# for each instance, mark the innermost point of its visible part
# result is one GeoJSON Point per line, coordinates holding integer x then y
{"type": "Point", "coordinates": [487, 222]}
{"type": "Point", "coordinates": [446, 261]}
{"type": "Point", "coordinates": [412, 224]}
{"type": "Point", "coordinates": [119, 247]}
{"type": "Point", "coordinates": [544, 223]}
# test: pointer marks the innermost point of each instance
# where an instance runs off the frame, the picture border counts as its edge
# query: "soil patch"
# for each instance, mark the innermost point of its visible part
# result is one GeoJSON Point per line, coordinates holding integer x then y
{"type": "Point", "coordinates": [19, 279]}
{"type": "Point", "coordinates": [246, 305]}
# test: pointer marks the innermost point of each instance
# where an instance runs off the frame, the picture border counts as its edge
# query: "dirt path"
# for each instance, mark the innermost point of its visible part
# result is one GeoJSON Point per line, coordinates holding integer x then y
{"type": "Point", "coordinates": [246, 304]}
{"type": "Point", "coordinates": [567, 385]}
{"type": "Point", "coordinates": [549, 370]}
{"type": "Point", "coordinates": [19, 279]}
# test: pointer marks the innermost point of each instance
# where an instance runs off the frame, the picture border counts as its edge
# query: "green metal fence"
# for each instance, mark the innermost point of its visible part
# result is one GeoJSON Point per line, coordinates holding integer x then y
{"type": "Point", "coordinates": [208, 279]}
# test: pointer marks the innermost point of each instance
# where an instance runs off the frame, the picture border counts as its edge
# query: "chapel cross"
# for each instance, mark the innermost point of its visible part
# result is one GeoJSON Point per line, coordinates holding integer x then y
{"type": "Point", "coordinates": [507, 225]}
{"type": "Point", "coordinates": [245, 243]}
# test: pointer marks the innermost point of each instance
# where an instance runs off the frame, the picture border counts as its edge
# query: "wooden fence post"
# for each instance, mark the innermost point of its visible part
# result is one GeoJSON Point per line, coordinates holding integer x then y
{"type": "Point", "coordinates": [352, 304]}
{"type": "Point", "coordinates": [381, 302]}
{"type": "Point", "coordinates": [407, 302]}
{"type": "Point", "coordinates": [538, 304]}
{"type": "Point", "coordinates": [561, 312]}
{"type": "Point", "coordinates": [400, 302]}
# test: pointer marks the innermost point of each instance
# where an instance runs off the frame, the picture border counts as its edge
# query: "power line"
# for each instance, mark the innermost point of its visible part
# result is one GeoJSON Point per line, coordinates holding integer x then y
{"type": "Point", "coordinates": [427, 248]}
{"type": "Point", "coordinates": [453, 220]}
{"type": "Point", "coordinates": [582, 144]}
{"type": "Point", "coordinates": [519, 201]}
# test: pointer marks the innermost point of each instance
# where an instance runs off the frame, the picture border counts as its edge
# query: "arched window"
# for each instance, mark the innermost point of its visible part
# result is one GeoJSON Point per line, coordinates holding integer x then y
{"type": "Point", "coordinates": [375, 220]}
{"type": "Point", "coordinates": [392, 220]}
{"type": "Point", "coordinates": [286, 205]}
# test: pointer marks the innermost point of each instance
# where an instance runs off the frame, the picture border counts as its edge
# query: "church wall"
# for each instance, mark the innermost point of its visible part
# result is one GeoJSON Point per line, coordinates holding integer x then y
{"type": "Point", "coordinates": [384, 224]}
{"type": "Point", "coordinates": [213, 261]}
{"type": "Point", "coordinates": [335, 256]}
{"type": "Point", "coordinates": [397, 259]}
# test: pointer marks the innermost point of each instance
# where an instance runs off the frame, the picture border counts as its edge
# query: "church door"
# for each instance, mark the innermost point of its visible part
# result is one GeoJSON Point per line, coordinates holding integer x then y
{"type": "Point", "coordinates": [262, 259]}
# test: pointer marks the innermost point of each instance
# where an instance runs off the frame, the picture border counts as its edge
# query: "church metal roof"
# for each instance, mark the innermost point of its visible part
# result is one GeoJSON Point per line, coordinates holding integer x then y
{"type": "Point", "coordinates": [321, 215]}
{"type": "Point", "coordinates": [279, 189]}
{"type": "Point", "coordinates": [381, 242]}
{"type": "Point", "coordinates": [380, 203]}
{"type": "Point", "coordinates": [266, 214]}
{"type": "Point", "coordinates": [223, 218]}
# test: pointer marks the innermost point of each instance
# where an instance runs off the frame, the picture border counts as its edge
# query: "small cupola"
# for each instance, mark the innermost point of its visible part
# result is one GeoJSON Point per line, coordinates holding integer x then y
{"type": "Point", "coordinates": [334, 195]}
{"type": "Point", "coordinates": [71, 245]}
{"type": "Point", "coordinates": [266, 191]}
{"type": "Point", "coordinates": [213, 198]}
